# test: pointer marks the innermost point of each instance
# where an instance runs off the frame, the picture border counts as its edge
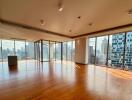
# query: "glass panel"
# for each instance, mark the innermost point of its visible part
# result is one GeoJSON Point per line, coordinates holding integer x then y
{"type": "Point", "coordinates": [91, 51]}
{"type": "Point", "coordinates": [36, 51]}
{"type": "Point", "coordinates": [58, 51]}
{"type": "Point", "coordinates": [128, 53]}
{"type": "Point", "coordinates": [52, 50]}
{"type": "Point", "coordinates": [101, 50]}
{"type": "Point", "coordinates": [7, 48]}
{"type": "Point", "coordinates": [45, 50]}
{"type": "Point", "coordinates": [39, 49]}
{"type": "Point", "coordinates": [30, 50]}
{"type": "Point", "coordinates": [0, 52]}
{"type": "Point", "coordinates": [64, 50]}
{"type": "Point", "coordinates": [69, 50]}
{"type": "Point", "coordinates": [116, 50]}
{"type": "Point", "coordinates": [73, 50]}
{"type": "Point", "coordinates": [20, 49]}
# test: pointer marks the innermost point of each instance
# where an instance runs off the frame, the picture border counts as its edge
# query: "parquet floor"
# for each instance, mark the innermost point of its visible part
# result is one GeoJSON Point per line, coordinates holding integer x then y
{"type": "Point", "coordinates": [63, 81]}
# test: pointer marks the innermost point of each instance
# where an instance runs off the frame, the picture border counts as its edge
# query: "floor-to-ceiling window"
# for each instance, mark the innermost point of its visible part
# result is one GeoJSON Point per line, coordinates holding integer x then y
{"type": "Point", "coordinates": [29, 50]}
{"type": "Point", "coordinates": [8, 48]}
{"type": "Point", "coordinates": [58, 51]}
{"type": "Point", "coordinates": [128, 51]}
{"type": "Point", "coordinates": [64, 50]}
{"type": "Point", "coordinates": [40, 50]}
{"type": "Point", "coordinates": [101, 50]}
{"type": "Point", "coordinates": [52, 51]}
{"type": "Point", "coordinates": [113, 50]}
{"type": "Point", "coordinates": [20, 49]}
{"type": "Point", "coordinates": [45, 50]}
{"type": "Point", "coordinates": [91, 50]}
{"type": "Point", "coordinates": [37, 51]}
{"type": "Point", "coordinates": [0, 51]}
{"type": "Point", "coordinates": [116, 50]}
{"type": "Point", "coordinates": [69, 50]}
{"type": "Point", "coordinates": [73, 50]}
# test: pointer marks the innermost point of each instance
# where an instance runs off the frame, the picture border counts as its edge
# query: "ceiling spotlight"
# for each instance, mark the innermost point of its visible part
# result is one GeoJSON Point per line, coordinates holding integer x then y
{"type": "Point", "coordinates": [79, 17]}
{"type": "Point", "coordinates": [70, 30]}
{"type": "Point", "coordinates": [60, 9]}
{"type": "Point", "coordinates": [60, 6]}
{"type": "Point", "coordinates": [130, 12]}
{"type": "Point", "coordinates": [42, 22]}
{"type": "Point", "coordinates": [90, 24]}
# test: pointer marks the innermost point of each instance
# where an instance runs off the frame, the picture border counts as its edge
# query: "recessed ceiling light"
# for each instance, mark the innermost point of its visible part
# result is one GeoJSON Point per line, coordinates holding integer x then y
{"type": "Point", "coordinates": [79, 17]}
{"type": "Point", "coordinates": [60, 9]}
{"type": "Point", "coordinates": [70, 30]}
{"type": "Point", "coordinates": [90, 24]}
{"type": "Point", "coordinates": [42, 22]}
{"type": "Point", "coordinates": [60, 6]}
{"type": "Point", "coordinates": [130, 12]}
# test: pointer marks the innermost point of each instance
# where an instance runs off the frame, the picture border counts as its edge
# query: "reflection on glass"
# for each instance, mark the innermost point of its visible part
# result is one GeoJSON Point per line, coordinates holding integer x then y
{"type": "Point", "coordinates": [39, 49]}
{"type": "Point", "coordinates": [69, 50]}
{"type": "Point", "coordinates": [45, 50]}
{"type": "Point", "coordinates": [20, 49]}
{"type": "Point", "coordinates": [64, 50]}
{"type": "Point", "coordinates": [73, 50]}
{"type": "Point", "coordinates": [101, 50]}
{"type": "Point", "coordinates": [58, 51]}
{"type": "Point", "coordinates": [116, 50]}
{"type": "Point", "coordinates": [52, 50]}
{"type": "Point", "coordinates": [29, 50]}
{"type": "Point", "coordinates": [7, 48]}
{"type": "Point", "coordinates": [128, 53]}
{"type": "Point", "coordinates": [0, 51]}
{"type": "Point", "coordinates": [91, 51]}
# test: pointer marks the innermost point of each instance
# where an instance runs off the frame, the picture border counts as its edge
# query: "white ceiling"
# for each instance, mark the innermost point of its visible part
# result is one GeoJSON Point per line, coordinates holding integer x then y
{"type": "Point", "coordinates": [102, 13]}
{"type": "Point", "coordinates": [14, 32]}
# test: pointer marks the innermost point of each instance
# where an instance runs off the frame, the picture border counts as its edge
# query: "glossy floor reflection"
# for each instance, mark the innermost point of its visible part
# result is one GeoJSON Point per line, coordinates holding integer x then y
{"type": "Point", "coordinates": [63, 80]}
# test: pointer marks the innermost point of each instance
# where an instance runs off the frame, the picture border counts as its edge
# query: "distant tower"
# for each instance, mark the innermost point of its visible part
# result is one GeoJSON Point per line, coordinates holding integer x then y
{"type": "Point", "coordinates": [117, 49]}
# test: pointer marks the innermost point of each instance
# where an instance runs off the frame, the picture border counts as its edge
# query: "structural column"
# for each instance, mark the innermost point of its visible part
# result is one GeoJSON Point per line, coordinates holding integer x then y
{"type": "Point", "coordinates": [81, 50]}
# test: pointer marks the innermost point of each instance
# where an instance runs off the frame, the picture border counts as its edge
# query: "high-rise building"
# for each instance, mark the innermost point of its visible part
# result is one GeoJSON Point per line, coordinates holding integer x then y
{"type": "Point", "coordinates": [117, 49]}
{"type": "Point", "coordinates": [128, 51]}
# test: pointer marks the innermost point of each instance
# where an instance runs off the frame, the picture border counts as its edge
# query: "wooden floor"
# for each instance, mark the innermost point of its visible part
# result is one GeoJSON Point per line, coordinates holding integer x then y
{"type": "Point", "coordinates": [63, 81]}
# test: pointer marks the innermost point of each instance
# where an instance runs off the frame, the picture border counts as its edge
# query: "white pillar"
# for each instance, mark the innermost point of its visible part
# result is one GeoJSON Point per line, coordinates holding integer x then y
{"type": "Point", "coordinates": [81, 50]}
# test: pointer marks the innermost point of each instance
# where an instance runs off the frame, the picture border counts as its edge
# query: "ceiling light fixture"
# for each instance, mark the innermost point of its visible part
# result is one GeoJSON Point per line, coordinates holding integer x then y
{"type": "Point", "coordinates": [130, 12]}
{"type": "Point", "coordinates": [90, 24]}
{"type": "Point", "coordinates": [79, 17]}
{"type": "Point", "coordinates": [60, 5]}
{"type": "Point", "coordinates": [70, 30]}
{"type": "Point", "coordinates": [42, 22]}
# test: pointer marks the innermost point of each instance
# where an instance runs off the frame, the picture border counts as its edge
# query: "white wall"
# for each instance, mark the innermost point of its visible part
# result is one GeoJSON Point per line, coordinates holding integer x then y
{"type": "Point", "coordinates": [81, 50]}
